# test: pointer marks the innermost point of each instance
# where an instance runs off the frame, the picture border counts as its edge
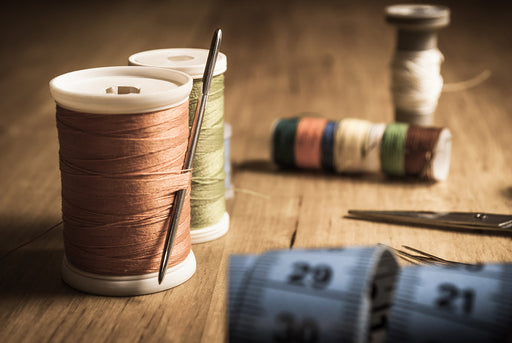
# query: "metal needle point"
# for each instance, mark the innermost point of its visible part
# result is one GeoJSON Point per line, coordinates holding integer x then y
{"type": "Point", "coordinates": [189, 156]}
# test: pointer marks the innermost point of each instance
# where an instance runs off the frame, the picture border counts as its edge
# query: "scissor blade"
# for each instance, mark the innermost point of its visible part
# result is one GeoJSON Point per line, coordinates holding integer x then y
{"type": "Point", "coordinates": [448, 219]}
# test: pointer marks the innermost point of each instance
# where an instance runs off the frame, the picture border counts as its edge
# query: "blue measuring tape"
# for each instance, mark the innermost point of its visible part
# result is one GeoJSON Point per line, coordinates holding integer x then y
{"type": "Point", "coordinates": [361, 295]}
{"type": "Point", "coordinates": [464, 303]}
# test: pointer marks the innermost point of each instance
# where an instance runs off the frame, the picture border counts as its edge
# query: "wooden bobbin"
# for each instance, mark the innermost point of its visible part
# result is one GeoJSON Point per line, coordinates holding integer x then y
{"type": "Point", "coordinates": [417, 26]}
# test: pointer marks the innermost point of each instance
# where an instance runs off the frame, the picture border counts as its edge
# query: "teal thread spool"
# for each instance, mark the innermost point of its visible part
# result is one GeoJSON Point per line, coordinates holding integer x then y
{"type": "Point", "coordinates": [283, 141]}
{"type": "Point", "coordinates": [392, 149]}
{"type": "Point", "coordinates": [209, 219]}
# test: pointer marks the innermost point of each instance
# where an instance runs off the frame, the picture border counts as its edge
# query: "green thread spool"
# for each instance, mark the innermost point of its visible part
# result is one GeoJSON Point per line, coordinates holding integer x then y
{"type": "Point", "coordinates": [208, 188]}
{"type": "Point", "coordinates": [209, 219]}
{"type": "Point", "coordinates": [283, 141]}
{"type": "Point", "coordinates": [392, 150]}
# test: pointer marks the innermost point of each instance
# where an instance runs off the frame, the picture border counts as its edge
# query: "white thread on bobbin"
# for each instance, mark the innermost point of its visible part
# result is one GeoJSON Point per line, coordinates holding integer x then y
{"type": "Point", "coordinates": [417, 84]}
{"type": "Point", "coordinates": [350, 145]}
{"type": "Point", "coordinates": [440, 160]}
{"type": "Point", "coordinates": [371, 159]}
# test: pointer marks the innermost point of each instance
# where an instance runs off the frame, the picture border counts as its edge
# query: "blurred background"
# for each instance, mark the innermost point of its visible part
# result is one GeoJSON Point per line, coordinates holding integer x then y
{"type": "Point", "coordinates": [284, 58]}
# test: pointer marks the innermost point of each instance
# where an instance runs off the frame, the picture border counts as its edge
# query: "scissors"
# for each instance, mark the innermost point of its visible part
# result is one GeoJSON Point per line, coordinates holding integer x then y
{"type": "Point", "coordinates": [463, 220]}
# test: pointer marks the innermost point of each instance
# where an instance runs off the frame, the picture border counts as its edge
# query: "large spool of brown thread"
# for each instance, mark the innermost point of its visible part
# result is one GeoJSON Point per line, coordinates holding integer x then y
{"type": "Point", "coordinates": [123, 134]}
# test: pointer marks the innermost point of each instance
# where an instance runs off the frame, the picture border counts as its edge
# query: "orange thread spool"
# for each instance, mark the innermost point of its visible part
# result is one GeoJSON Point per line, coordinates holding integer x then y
{"type": "Point", "coordinates": [119, 174]}
{"type": "Point", "coordinates": [308, 143]}
{"type": "Point", "coordinates": [123, 134]}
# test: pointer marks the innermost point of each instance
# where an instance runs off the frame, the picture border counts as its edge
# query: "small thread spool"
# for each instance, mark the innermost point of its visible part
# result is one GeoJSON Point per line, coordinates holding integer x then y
{"type": "Point", "coordinates": [416, 79]}
{"type": "Point", "coordinates": [359, 146]}
{"type": "Point", "coordinates": [209, 219]}
{"type": "Point", "coordinates": [350, 145]}
{"type": "Point", "coordinates": [113, 125]}
{"type": "Point", "coordinates": [283, 141]}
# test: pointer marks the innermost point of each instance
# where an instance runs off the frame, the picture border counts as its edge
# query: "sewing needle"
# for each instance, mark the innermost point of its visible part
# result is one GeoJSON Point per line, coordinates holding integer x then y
{"type": "Point", "coordinates": [189, 156]}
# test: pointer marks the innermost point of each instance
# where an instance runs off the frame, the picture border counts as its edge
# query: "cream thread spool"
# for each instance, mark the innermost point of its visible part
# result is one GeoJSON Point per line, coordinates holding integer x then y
{"type": "Point", "coordinates": [416, 78]}
{"type": "Point", "coordinates": [438, 166]}
{"type": "Point", "coordinates": [371, 160]}
{"type": "Point", "coordinates": [192, 62]}
{"type": "Point", "coordinates": [116, 91]}
{"type": "Point", "coordinates": [350, 145]}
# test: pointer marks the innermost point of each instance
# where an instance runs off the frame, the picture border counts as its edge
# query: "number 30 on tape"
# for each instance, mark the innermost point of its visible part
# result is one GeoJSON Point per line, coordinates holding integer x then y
{"type": "Point", "coordinates": [361, 295]}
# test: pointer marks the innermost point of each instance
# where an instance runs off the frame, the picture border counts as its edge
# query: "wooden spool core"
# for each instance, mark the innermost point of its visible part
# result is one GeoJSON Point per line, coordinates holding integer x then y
{"type": "Point", "coordinates": [417, 25]}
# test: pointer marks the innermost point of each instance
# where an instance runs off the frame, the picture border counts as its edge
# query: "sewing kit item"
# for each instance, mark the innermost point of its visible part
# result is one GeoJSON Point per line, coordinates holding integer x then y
{"type": "Point", "coordinates": [230, 189]}
{"type": "Point", "coordinates": [283, 141]}
{"type": "Point", "coordinates": [360, 294]}
{"type": "Point", "coordinates": [123, 136]}
{"type": "Point", "coordinates": [335, 295]}
{"type": "Point", "coordinates": [458, 220]}
{"type": "Point", "coordinates": [463, 303]}
{"type": "Point", "coordinates": [209, 219]}
{"type": "Point", "coordinates": [359, 146]}
{"type": "Point", "coordinates": [421, 257]}
{"type": "Point", "coordinates": [350, 145]}
{"type": "Point", "coordinates": [195, 128]}
{"type": "Point", "coordinates": [415, 69]}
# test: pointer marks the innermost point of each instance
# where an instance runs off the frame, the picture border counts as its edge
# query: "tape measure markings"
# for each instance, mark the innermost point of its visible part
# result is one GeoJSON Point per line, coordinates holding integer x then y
{"type": "Point", "coordinates": [348, 295]}
{"type": "Point", "coordinates": [474, 301]}
{"type": "Point", "coordinates": [331, 307]}
{"type": "Point", "coordinates": [465, 288]}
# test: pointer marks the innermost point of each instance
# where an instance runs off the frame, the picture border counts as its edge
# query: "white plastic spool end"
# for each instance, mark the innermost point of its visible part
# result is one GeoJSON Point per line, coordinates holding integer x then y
{"type": "Point", "coordinates": [441, 156]}
{"type": "Point", "coordinates": [128, 285]}
{"type": "Point", "coordinates": [212, 232]}
{"type": "Point", "coordinates": [190, 61]}
{"type": "Point", "coordinates": [121, 90]}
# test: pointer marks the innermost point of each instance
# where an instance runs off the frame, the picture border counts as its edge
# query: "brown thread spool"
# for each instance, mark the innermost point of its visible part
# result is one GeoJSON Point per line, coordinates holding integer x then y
{"type": "Point", "coordinates": [123, 133]}
{"type": "Point", "coordinates": [417, 27]}
{"type": "Point", "coordinates": [425, 152]}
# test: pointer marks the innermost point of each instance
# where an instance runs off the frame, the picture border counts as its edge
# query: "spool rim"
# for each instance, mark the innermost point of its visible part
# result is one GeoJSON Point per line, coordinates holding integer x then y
{"type": "Point", "coordinates": [418, 16]}
{"type": "Point", "coordinates": [87, 90]}
{"type": "Point", "coordinates": [211, 232]}
{"type": "Point", "coordinates": [127, 285]}
{"type": "Point", "coordinates": [188, 60]}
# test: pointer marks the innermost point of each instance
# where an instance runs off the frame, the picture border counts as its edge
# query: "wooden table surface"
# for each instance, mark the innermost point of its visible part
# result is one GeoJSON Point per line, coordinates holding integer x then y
{"type": "Point", "coordinates": [284, 58]}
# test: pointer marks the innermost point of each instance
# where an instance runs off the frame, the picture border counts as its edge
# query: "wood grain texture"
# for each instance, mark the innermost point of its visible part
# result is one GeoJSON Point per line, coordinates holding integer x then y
{"type": "Point", "coordinates": [284, 58]}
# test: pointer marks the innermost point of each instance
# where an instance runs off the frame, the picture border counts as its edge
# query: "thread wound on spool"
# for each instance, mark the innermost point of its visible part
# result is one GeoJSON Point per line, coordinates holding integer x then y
{"type": "Point", "coordinates": [227, 162]}
{"type": "Point", "coordinates": [415, 70]}
{"type": "Point", "coordinates": [355, 146]}
{"type": "Point", "coordinates": [371, 161]}
{"type": "Point", "coordinates": [208, 187]}
{"type": "Point", "coordinates": [393, 148]}
{"type": "Point", "coordinates": [308, 141]}
{"type": "Point", "coordinates": [328, 145]}
{"type": "Point", "coordinates": [119, 173]}
{"type": "Point", "coordinates": [350, 143]}
{"type": "Point", "coordinates": [416, 85]}
{"type": "Point", "coordinates": [209, 219]}
{"type": "Point", "coordinates": [284, 142]}
{"type": "Point", "coordinates": [419, 147]}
